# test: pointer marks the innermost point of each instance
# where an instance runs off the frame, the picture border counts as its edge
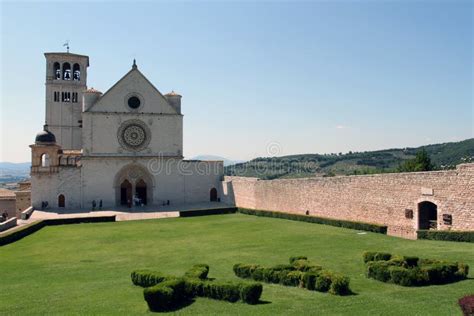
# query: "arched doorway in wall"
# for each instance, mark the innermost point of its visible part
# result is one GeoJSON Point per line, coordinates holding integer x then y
{"type": "Point", "coordinates": [427, 215]}
{"type": "Point", "coordinates": [125, 192]}
{"type": "Point", "coordinates": [61, 201]}
{"type": "Point", "coordinates": [133, 181]}
{"type": "Point", "coordinates": [140, 191]}
{"type": "Point", "coordinates": [213, 195]}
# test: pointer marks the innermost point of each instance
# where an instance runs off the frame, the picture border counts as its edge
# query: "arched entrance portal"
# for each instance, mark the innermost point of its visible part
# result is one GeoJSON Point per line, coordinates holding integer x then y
{"type": "Point", "coordinates": [427, 215]}
{"type": "Point", "coordinates": [140, 191]}
{"type": "Point", "coordinates": [213, 195]}
{"type": "Point", "coordinates": [125, 192]}
{"type": "Point", "coordinates": [134, 186]}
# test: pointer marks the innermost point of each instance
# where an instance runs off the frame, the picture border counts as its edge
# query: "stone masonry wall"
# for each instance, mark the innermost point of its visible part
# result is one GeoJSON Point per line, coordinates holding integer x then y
{"type": "Point", "coordinates": [383, 199]}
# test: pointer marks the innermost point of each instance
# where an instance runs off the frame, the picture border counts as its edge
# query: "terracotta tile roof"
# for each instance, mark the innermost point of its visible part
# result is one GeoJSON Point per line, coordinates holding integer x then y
{"type": "Point", "coordinates": [7, 194]}
{"type": "Point", "coordinates": [93, 90]}
{"type": "Point", "coordinates": [172, 93]}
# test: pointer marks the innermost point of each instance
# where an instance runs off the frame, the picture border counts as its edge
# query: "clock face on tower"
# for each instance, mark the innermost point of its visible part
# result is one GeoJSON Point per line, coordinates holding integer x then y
{"type": "Point", "coordinates": [133, 135]}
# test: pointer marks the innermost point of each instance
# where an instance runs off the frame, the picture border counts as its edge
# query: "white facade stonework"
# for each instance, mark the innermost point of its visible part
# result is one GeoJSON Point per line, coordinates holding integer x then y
{"type": "Point", "coordinates": [115, 149]}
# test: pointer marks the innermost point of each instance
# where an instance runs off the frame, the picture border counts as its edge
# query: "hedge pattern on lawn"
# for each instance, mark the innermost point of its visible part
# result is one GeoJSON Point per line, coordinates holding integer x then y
{"type": "Point", "coordinates": [318, 220]}
{"type": "Point", "coordinates": [163, 292]}
{"type": "Point", "coordinates": [299, 273]}
{"type": "Point", "coordinates": [412, 271]}
{"type": "Point", "coordinates": [446, 235]}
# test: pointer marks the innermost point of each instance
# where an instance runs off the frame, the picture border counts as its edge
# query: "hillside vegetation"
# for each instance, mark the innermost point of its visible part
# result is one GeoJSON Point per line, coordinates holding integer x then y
{"type": "Point", "coordinates": [442, 156]}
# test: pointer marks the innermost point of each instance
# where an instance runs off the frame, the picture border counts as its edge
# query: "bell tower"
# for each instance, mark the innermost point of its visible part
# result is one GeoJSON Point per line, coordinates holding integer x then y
{"type": "Point", "coordinates": [66, 80]}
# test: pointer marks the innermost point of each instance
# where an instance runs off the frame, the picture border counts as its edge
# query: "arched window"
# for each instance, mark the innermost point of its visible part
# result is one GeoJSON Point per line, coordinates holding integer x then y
{"type": "Point", "coordinates": [57, 71]}
{"type": "Point", "coordinates": [61, 200]}
{"type": "Point", "coordinates": [67, 71]}
{"type": "Point", "coordinates": [76, 72]}
{"type": "Point", "coordinates": [44, 160]}
{"type": "Point", "coordinates": [213, 195]}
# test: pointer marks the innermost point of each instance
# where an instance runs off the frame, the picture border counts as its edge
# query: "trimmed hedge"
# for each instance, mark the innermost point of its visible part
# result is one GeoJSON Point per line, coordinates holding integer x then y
{"type": "Point", "coordinates": [199, 271]}
{"type": "Point", "coordinates": [446, 235]}
{"type": "Point", "coordinates": [35, 226]}
{"type": "Point", "coordinates": [412, 271]}
{"type": "Point", "coordinates": [216, 211]}
{"type": "Point", "coordinates": [163, 293]}
{"type": "Point", "coordinates": [147, 278]}
{"type": "Point", "coordinates": [300, 273]}
{"type": "Point", "coordinates": [318, 220]}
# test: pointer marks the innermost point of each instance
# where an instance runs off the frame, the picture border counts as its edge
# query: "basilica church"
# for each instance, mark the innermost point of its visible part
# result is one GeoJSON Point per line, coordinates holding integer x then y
{"type": "Point", "coordinates": [116, 149]}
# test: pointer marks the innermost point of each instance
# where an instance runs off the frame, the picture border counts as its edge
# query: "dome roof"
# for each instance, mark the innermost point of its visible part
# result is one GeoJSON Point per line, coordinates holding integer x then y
{"type": "Point", "coordinates": [45, 136]}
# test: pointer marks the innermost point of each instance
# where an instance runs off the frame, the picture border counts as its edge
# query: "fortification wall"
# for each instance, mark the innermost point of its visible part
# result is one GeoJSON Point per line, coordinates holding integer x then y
{"type": "Point", "coordinates": [384, 199]}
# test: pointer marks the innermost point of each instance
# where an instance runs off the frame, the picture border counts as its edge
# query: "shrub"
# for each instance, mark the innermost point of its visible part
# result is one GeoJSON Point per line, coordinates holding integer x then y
{"type": "Point", "coordinates": [446, 235]}
{"type": "Point", "coordinates": [412, 271]}
{"type": "Point", "coordinates": [300, 273]}
{"type": "Point", "coordinates": [318, 220]}
{"type": "Point", "coordinates": [250, 293]}
{"type": "Point", "coordinates": [467, 305]}
{"type": "Point", "coordinates": [403, 276]}
{"type": "Point", "coordinates": [227, 291]}
{"type": "Point", "coordinates": [244, 270]}
{"type": "Point", "coordinates": [292, 278]}
{"type": "Point", "coordinates": [309, 280]}
{"type": "Point", "coordinates": [165, 295]}
{"type": "Point", "coordinates": [339, 285]}
{"type": "Point", "coordinates": [378, 270]}
{"type": "Point", "coordinates": [463, 271]}
{"type": "Point", "coordinates": [199, 271]}
{"type": "Point", "coordinates": [305, 265]}
{"type": "Point", "coordinates": [375, 256]}
{"type": "Point", "coordinates": [411, 261]}
{"type": "Point", "coordinates": [323, 281]}
{"type": "Point", "coordinates": [293, 259]}
{"type": "Point", "coordinates": [163, 292]}
{"type": "Point", "coordinates": [382, 256]}
{"type": "Point", "coordinates": [147, 278]}
{"type": "Point", "coordinates": [439, 273]}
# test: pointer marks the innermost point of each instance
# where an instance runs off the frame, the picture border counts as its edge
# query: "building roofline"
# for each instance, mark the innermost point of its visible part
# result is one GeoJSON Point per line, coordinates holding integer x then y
{"type": "Point", "coordinates": [67, 54]}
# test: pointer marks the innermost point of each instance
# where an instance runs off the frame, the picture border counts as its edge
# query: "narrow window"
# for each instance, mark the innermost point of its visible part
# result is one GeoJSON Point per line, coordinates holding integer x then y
{"type": "Point", "coordinates": [74, 97]}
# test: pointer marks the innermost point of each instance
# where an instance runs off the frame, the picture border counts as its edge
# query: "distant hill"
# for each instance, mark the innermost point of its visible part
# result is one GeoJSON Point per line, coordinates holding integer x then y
{"type": "Point", "coordinates": [443, 156]}
{"type": "Point", "coordinates": [14, 172]}
{"type": "Point", "coordinates": [227, 162]}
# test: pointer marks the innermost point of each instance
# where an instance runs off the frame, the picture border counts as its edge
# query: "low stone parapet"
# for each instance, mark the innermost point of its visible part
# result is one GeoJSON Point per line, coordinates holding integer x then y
{"type": "Point", "coordinates": [8, 224]}
{"type": "Point", "coordinates": [27, 213]}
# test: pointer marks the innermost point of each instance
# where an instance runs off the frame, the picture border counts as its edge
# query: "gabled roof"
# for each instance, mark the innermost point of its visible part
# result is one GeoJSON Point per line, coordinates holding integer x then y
{"type": "Point", "coordinates": [133, 70]}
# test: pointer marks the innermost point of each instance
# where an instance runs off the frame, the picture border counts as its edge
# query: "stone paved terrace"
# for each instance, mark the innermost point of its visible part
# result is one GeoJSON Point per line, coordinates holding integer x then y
{"type": "Point", "coordinates": [122, 214]}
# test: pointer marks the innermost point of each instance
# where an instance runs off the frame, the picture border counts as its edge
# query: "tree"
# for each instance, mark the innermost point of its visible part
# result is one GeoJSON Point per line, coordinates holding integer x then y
{"type": "Point", "coordinates": [421, 162]}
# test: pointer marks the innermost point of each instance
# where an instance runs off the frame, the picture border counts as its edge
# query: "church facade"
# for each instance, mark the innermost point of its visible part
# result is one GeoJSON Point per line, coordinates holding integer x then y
{"type": "Point", "coordinates": [117, 149]}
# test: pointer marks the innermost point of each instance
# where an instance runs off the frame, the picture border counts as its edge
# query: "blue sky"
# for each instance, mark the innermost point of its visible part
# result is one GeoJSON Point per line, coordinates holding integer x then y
{"type": "Point", "coordinates": [258, 78]}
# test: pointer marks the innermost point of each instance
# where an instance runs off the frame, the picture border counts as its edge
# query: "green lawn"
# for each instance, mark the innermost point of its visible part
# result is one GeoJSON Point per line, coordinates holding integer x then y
{"type": "Point", "coordinates": [85, 268]}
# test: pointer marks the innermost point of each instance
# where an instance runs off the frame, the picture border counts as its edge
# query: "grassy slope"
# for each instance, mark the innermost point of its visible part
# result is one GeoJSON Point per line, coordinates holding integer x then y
{"type": "Point", "coordinates": [85, 268]}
